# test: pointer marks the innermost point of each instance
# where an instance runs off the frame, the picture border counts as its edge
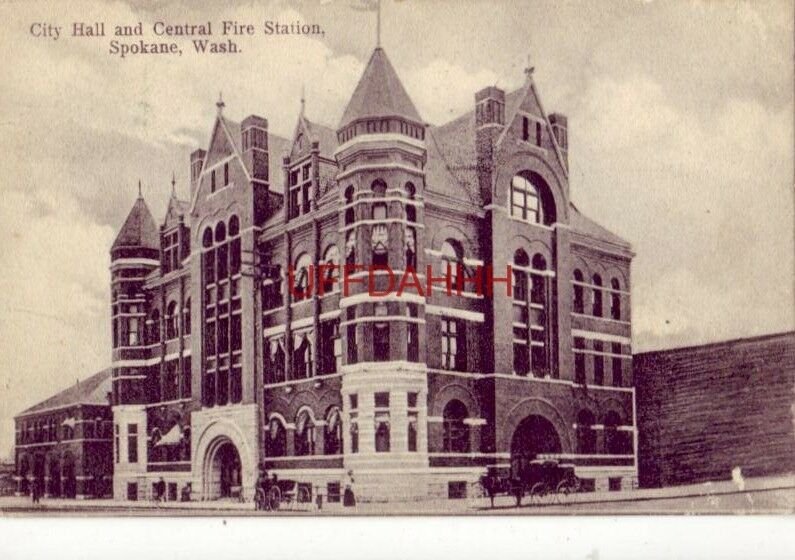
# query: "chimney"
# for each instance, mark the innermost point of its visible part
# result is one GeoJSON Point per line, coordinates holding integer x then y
{"type": "Point", "coordinates": [254, 130]}
{"type": "Point", "coordinates": [196, 163]}
{"type": "Point", "coordinates": [489, 122]}
{"type": "Point", "coordinates": [560, 128]}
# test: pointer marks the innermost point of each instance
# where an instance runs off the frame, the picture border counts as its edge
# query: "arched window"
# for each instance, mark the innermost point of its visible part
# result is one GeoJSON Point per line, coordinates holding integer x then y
{"type": "Point", "coordinates": [382, 443]}
{"type": "Point", "coordinates": [276, 440]}
{"type": "Point", "coordinates": [207, 238]}
{"type": "Point", "coordinates": [615, 300]}
{"type": "Point", "coordinates": [452, 260]}
{"type": "Point", "coordinates": [578, 303]}
{"type": "Point", "coordinates": [154, 326]}
{"type": "Point", "coordinates": [302, 281]}
{"type": "Point", "coordinates": [520, 258]}
{"type": "Point", "coordinates": [597, 295]}
{"type": "Point", "coordinates": [171, 320]}
{"type": "Point", "coordinates": [331, 273]}
{"type": "Point", "coordinates": [274, 371]}
{"type": "Point", "coordinates": [379, 188]}
{"type": "Point", "coordinates": [333, 437]}
{"type": "Point", "coordinates": [525, 200]}
{"type": "Point", "coordinates": [586, 436]}
{"type": "Point", "coordinates": [381, 334]}
{"type": "Point", "coordinates": [302, 356]}
{"type": "Point", "coordinates": [220, 232]}
{"type": "Point", "coordinates": [455, 437]}
{"type": "Point", "coordinates": [411, 190]}
{"type": "Point", "coordinates": [304, 434]}
{"type": "Point", "coordinates": [350, 248]}
{"type": "Point", "coordinates": [234, 226]}
{"type": "Point", "coordinates": [349, 194]}
{"type": "Point", "coordinates": [410, 247]}
{"type": "Point", "coordinates": [186, 317]}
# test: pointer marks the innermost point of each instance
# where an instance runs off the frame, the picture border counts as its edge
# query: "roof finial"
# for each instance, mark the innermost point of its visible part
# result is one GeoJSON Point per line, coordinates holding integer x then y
{"type": "Point", "coordinates": [173, 185]}
{"type": "Point", "coordinates": [378, 25]}
{"type": "Point", "coordinates": [529, 68]}
{"type": "Point", "coordinates": [220, 104]}
{"type": "Point", "coordinates": [303, 98]}
{"type": "Point", "coordinates": [139, 189]}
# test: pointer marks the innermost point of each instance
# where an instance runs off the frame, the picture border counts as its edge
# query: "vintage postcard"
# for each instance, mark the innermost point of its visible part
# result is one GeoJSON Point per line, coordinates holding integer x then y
{"type": "Point", "coordinates": [396, 257]}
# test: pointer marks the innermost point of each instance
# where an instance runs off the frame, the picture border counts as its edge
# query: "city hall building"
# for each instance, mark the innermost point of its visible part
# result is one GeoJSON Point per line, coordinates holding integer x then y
{"type": "Point", "coordinates": [235, 350]}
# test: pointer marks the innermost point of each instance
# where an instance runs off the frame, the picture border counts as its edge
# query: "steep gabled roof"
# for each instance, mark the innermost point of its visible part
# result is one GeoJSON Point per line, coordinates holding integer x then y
{"type": "Point", "coordinates": [580, 223]}
{"type": "Point", "coordinates": [139, 229]}
{"type": "Point", "coordinates": [379, 93]}
{"type": "Point", "coordinates": [326, 135]}
{"type": "Point", "coordinates": [93, 390]}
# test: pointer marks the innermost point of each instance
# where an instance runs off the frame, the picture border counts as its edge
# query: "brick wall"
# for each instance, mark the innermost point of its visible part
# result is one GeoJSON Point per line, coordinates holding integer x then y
{"type": "Point", "coordinates": [704, 410]}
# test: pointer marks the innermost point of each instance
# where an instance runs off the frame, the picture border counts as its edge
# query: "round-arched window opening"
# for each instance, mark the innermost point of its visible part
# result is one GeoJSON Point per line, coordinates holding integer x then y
{"type": "Point", "coordinates": [411, 190]}
{"type": "Point", "coordinates": [207, 238]}
{"type": "Point", "coordinates": [379, 187]}
{"type": "Point", "coordinates": [220, 232]}
{"type": "Point", "coordinates": [539, 262]}
{"type": "Point", "coordinates": [349, 194]}
{"type": "Point", "coordinates": [234, 226]}
{"type": "Point", "coordinates": [531, 199]}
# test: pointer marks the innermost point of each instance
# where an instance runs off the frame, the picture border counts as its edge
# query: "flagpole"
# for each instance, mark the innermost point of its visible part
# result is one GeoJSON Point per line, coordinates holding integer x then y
{"type": "Point", "coordinates": [378, 25]}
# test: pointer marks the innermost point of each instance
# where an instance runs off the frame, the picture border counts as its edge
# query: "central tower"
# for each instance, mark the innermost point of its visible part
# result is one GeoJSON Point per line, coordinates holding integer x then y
{"type": "Point", "coordinates": [381, 159]}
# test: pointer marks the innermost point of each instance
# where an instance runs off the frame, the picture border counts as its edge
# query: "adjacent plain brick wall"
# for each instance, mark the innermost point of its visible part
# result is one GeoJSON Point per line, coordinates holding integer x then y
{"type": "Point", "coordinates": [704, 410]}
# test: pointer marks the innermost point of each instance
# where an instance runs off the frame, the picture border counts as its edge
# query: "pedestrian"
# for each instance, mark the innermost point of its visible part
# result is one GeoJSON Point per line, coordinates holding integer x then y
{"type": "Point", "coordinates": [349, 499]}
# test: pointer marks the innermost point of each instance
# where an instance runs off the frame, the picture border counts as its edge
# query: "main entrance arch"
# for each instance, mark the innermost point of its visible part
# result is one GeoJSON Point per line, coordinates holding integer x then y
{"type": "Point", "coordinates": [223, 472]}
{"type": "Point", "coordinates": [533, 436]}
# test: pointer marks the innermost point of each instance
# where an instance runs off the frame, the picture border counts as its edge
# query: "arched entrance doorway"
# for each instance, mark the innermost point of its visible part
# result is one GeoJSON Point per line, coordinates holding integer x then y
{"type": "Point", "coordinates": [224, 471]}
{"type": "Point", "coordinates": [533, 436]}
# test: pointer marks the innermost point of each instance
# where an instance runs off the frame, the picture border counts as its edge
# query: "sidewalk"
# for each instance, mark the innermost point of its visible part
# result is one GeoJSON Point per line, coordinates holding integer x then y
{"type": "Point", "coordinates": [503, 504]}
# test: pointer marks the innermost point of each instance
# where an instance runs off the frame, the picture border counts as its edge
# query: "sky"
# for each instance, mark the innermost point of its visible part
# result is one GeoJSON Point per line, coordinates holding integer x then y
{"type": "Point", "coordinates": [680, 131]}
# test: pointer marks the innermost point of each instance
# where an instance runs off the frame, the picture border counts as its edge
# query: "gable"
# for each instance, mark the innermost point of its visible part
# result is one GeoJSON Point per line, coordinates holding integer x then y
{"type": "Point", "coordinates": [220, 146]}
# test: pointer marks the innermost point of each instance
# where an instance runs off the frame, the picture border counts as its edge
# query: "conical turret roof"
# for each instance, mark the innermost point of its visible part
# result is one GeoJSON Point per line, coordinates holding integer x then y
{"type": "Point", "coordinates": [379, 93]}
{"type": "Point", "coordinates": [139, 229]}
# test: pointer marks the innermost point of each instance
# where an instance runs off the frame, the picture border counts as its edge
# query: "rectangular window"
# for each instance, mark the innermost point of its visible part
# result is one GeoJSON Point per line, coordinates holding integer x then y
{"type": "Point", "coordinates": [579, 361]}
{"type": "Point", "coordinates": [451, 358]}
{"type": "Point", "coordinates": [525, 129]}
{"type": "Point", "coordinates": [382, 400]}
{"type": "Point", "coordinates": [116, 442]}
{"type": "Point", "coordinates": [456, 490]}
{"type": "Point", "coordinates": [382, 426]}
{"type": "Point", "coordinates": [226, 174]}
{"type": "Point", "coordinates": [132, 443]}
{"type": "Point", "coordinates": [381, 342]}
{"type": "Point", "coordinates": [132, 491]}
{"type": "Point", "coordinates": [617, 366]}
{"type": "Point", "coordinates": [212, 181]}
{"type": "Point", "coordinates": [538, 133]}
{"type": "Point", "coordinates": [599, 369]}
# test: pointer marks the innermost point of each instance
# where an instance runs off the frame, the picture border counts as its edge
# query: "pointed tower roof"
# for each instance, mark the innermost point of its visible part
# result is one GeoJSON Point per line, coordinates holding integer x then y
{"type": "Point", "coordinates": [139, 229]}
{"type": "Point", "coordinates": [379, 93]}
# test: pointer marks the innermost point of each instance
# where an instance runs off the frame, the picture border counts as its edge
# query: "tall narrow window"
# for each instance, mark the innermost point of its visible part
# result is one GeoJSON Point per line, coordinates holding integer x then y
{"type": "Point", "coordinates": [354, 422]}
{"type": "Point", "coordinates": [186, 317]}
{"type": "Point", "coordinates": [525, 129]}
{"type": "Point", "coordinates": [615, 300]}
{"type": "Point", "coordinates": [116, 442]}
{"type": "Point", "coordinates": [411, 248]}
{"type": "Point", "coordinates": [578, 304]}
{"type": "Point", "coordinates": [381, 335]}
{"type": "Point", "coordinates": [452, 261]}
{"type": "Point", "coordinates": [520, 259]}
{"type": "Point", "coordinates": [597, 295]}
{"type": "Point", "coordinates": [579, 360]}
{"type": "Point", "coordinates": [302, 281]}
{"type": "Point", "coordinates": [598, 363]}
{"type": "Point", "coordinates": [172, 317]}
{"type": "Point", "coordinates": [331, 262]}
{"type": "Point", "coordinates": [332, 442]}
{"type": "Point", "coordinates": [412, 416]}
{"type": "Point", "coordinates": [226, 174]}
{"type": "Point", "coordinates": [353, 353]}
{"type": "Point", "coordinates": [382, 427]}
{"type": "Point", "coordinates": [304, 434]}
{"type": "Point", "coordinates": [618, 380]}
{"type": "Point", "coordinates": [586, 436]}
{"type": "Point", "coordinates": [451, 358]}
{"type": "Point", "coordinates": [212, 181]}
{"type": "Point", "coordinates": [132, 443]}
{"type": "Point", "coordinates": [413, 334]}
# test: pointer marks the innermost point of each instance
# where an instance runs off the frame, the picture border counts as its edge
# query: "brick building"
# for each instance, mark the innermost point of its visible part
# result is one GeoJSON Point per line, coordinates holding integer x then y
{"type": "Point", "coordinates": [64, 442]}
{"type": "Point", "coordinates": [704, 410]}
{"type": "Point", "coordinates": [219, 367]}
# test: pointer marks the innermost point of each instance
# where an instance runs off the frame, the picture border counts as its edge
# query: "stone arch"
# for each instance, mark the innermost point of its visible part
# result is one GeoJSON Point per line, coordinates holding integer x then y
{"type": "Point", "coordinates": [537, 407]}
{"type": "Point", "coordinates": [611, 404]}
{"type": "Point", "coordinates": [526, 161]}
{"type": "Point", "coordinates": [455, 391]}
{"type": "Point", "coordinates": [531, 247]}
{"type": "Point", "coordinates": [449, 231]}
{"type": "Point", "coordinates": [209, 442]}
